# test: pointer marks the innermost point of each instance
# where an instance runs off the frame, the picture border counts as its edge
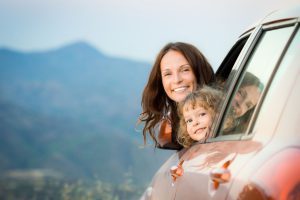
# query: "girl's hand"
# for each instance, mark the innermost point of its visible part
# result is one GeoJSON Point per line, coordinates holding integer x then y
{"type": "Point", "coordinates": [177, 171]}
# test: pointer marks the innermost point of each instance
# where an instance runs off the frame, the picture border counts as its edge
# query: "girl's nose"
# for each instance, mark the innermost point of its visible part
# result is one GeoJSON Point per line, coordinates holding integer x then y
{"type": "Point", "coordinates": [196, 122]}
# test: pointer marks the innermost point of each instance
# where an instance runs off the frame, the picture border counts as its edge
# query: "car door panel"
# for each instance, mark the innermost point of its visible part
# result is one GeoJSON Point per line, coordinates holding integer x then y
{"type": "Point", "coordinates": [201, 159]}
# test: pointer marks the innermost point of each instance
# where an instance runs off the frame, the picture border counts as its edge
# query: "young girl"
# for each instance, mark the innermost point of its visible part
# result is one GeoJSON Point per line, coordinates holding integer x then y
{"type": "Point", "coordinates": [196, 113]}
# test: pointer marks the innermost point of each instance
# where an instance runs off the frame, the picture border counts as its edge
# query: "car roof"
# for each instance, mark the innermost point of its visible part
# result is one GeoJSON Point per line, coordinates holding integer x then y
{"type": "Point", "coordinates": [288, 13]}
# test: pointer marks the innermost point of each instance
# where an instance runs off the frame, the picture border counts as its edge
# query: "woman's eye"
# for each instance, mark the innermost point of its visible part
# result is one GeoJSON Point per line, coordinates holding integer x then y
{"type": "Point", "coordinates": [166, 74]}
{"type": "Point", "coordinates": [185, 69]}
{"type": "Point", "coordinates": [239, 92]}
{"type": "Point", "coordinates": [249, 105]}
{"type": "Point", "coordinates": [242, 93]}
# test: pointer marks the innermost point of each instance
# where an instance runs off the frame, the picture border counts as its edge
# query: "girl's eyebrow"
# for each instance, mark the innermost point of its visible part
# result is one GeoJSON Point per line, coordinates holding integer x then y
{"type": "Point", "coordinates": [186, 116]}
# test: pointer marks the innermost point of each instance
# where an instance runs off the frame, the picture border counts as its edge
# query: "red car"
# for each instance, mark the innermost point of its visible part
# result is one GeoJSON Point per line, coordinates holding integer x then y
{"type": "Point", "coordinates": [258, 155]}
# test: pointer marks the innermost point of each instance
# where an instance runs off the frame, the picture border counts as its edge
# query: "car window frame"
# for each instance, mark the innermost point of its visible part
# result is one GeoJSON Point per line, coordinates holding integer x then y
{"type": "Point", "coordinates": [292, 23]}
{"type": "Point", "coordinates": [239, 66]}
{"type": "Point", "coordinates": [253, 36]}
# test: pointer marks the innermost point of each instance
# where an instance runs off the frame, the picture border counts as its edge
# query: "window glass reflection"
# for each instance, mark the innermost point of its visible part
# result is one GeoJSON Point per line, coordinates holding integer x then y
{"type": "Point", "coordinates": [258, 71]}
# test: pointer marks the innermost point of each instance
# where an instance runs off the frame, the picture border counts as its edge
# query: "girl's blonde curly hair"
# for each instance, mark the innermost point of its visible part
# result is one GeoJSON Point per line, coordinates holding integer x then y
{"type": "Point", "coordinates": [206, 97]}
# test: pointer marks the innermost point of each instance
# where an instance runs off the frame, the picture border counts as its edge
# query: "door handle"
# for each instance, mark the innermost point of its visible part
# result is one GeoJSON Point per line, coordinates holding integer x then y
{"type": "Point", "coordinates": [220, 175]}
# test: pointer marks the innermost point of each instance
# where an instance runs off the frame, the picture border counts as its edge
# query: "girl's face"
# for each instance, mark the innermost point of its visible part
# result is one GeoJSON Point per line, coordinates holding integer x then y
{"type": "Point", "coordinates": [198, 122]}
{"type": "Point", "coordinates": [178, 78]}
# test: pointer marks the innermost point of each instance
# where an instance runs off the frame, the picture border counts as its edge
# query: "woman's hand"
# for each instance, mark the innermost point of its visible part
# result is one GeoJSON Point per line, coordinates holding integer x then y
{"type": "Point", "coordinates": [165, 133]}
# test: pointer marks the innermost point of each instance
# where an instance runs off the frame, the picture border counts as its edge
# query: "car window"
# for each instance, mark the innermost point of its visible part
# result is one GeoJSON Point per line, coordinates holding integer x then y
{"type": "Point", "coordinates": [229, 61]}
{"type": "Point", "coordinates": [280, 83]}
{"type": "Point", "coordinates": [253, 80]}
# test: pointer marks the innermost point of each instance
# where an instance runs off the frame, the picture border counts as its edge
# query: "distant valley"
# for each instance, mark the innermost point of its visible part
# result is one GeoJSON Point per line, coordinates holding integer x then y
{"type": "Point", "coordinates": [71, 113]}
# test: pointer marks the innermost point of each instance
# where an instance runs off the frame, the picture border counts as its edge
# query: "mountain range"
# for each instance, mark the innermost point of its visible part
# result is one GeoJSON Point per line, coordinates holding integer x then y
{"type": "Point", "coordinates": [71, 112]}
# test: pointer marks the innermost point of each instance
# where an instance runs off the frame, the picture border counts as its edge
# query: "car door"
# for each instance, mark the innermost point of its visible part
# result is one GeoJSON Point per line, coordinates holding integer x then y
{"type": "Point", "coordinates": [273, 173]}
{"type": "Point", "coordinates": [211, 168]}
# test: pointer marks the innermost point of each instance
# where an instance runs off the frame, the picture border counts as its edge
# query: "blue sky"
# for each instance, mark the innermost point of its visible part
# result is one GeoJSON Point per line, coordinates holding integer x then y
{"type": "Point", "coordinates": [135, 29]}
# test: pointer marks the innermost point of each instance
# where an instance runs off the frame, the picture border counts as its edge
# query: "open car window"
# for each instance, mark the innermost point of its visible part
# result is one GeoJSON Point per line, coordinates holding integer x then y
{"type": "Point", "coordinates": [253, 79]}
{"type": "Point", "coordinates": [229, 61]}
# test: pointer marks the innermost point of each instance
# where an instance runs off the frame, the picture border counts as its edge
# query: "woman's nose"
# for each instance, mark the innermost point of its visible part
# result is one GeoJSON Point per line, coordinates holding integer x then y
{"type": "Point", "coordinates": [177, 78]}
{"type": "Point", "coordinates": [243, 109]}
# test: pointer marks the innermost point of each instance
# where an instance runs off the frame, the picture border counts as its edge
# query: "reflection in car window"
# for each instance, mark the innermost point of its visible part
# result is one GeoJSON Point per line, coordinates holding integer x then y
{"type": "Point", "coordinates": [279, 78]}
{"type": "Point", "coordinates": [252, 82]}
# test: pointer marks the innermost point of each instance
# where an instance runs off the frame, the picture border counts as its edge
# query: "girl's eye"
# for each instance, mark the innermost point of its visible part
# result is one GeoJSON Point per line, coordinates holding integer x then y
{"type": "Point", "coordinates": [188, 121]}
{"type": "Point", "coordinates": [202, 114]}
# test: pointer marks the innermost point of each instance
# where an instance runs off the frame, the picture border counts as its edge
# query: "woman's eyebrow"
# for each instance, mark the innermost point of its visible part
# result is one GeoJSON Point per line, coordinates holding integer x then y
{"type": "Point", "coordinates": [166, 69]}
{"type": "Point", "coordinates": [184, 65]}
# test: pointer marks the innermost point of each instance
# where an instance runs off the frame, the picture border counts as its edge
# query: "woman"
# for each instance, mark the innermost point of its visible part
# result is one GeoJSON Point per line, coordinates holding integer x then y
{"type": "Point", "coordinates": [243, 104]}
{"type": "Point", "coordinates": [179, 69]}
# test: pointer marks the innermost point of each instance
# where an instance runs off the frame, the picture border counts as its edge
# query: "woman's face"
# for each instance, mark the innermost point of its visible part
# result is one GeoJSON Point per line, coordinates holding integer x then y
{"type": "Point", "coordinates": [245, 99]}
{"type": "Point", "coordinates": [178, 78]}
